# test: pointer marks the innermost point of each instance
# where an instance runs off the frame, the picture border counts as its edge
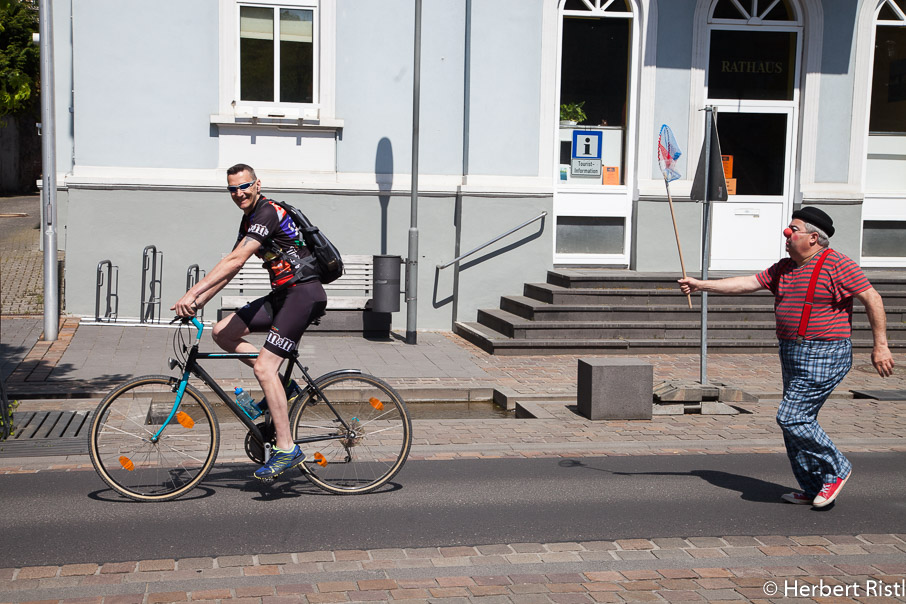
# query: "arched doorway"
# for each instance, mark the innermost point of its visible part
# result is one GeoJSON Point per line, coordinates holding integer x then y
{"type": "Point", "coordinates": [751, 57]}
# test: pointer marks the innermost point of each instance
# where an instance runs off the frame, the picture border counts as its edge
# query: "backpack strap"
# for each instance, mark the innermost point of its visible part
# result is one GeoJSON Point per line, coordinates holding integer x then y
{"type": "Point", "coordinates": [810, 295]}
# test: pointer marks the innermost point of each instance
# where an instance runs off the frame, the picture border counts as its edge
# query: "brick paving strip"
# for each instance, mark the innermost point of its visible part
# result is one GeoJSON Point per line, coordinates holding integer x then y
{"type": "Point", "coordinates": [44, 356]}
{"type": "Point", "coordinates": [658, 570]}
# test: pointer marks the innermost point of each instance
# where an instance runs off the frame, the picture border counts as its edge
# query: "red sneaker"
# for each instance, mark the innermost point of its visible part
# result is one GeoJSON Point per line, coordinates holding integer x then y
{"type": "Point", "coordinates": [797, 498]}
{"type": "Point", "coordinates": [830, 491]}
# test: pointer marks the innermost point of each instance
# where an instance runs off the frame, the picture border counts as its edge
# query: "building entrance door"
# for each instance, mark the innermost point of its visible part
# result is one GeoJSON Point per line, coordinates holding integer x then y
{"type": "Point", "coordinates": [752, 59]}
{"type": "Point", "coordinates": [757, 146]}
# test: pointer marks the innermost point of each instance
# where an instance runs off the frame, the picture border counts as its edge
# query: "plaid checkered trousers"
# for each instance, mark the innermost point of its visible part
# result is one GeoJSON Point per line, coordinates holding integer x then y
{"type": "Point", "coordinates": [811, 371]}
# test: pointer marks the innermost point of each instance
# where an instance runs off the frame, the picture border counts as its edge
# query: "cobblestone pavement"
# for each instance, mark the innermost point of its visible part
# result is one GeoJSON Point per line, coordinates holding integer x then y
{"type": "Point", "coordinates": [859, 568]}
{"type": "Point", "coordinates": [21, 260]}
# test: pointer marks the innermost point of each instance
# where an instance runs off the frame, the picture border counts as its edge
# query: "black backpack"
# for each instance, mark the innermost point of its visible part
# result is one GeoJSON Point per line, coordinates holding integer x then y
{"type": "Point", "coordinates": [328, 262]}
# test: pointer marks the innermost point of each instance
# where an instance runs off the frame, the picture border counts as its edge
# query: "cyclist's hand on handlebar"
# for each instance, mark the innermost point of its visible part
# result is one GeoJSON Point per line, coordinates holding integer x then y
{"type": "Point", "coordinates": [186, 306]}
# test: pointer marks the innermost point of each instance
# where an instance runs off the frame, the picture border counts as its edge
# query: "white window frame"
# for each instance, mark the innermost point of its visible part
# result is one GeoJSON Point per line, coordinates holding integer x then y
{"type": "Point", "coordinates": [323, 54]}
{"type": "Point", "coordinates": [877, 205]}
{"type": "Point", "coordinates": [567, 199]}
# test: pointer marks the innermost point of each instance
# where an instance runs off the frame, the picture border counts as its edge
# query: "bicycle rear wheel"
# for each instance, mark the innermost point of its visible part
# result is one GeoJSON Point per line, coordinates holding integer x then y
{"type": "Point", "coordinates": [120, 439]}
{"type": "Point", "coordinates": [364, 450]}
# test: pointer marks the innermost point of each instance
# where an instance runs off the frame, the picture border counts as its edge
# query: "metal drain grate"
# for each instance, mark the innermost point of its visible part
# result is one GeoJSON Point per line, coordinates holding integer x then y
{"type": "Point", "coordinates": [47, 433]}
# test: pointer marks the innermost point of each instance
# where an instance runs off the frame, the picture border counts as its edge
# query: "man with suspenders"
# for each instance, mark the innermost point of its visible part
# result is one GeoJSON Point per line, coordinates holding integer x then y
{"type": "Point", "coordinates": [813, 305]}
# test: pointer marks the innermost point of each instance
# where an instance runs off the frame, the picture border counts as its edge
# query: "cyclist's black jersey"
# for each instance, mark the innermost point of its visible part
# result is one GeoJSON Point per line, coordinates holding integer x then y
{"type": "Point", "coordinates": [282, 248]}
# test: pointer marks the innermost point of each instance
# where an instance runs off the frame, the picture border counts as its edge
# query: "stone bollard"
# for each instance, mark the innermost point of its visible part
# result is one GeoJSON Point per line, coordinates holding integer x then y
{"type": "Point", "coordinates": [615, 388]}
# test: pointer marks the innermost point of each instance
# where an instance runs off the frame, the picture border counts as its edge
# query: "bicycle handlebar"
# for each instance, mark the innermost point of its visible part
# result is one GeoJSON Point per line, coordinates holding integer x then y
{"type": "Point", "coordinates": [193, 320]}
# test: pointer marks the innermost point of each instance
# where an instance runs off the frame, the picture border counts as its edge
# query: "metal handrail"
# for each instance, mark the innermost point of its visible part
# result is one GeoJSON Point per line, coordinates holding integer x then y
{"type": "Point", "coordinates": [441, 267]}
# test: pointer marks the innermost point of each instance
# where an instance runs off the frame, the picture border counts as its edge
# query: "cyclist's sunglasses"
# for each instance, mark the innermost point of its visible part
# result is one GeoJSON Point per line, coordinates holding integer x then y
{"type": "Point", "coordinates": [242, 187]}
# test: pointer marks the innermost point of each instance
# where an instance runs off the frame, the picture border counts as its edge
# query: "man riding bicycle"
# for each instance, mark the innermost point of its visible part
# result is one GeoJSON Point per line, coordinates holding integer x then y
{"type": "Point", "coordinates": [296, 300]}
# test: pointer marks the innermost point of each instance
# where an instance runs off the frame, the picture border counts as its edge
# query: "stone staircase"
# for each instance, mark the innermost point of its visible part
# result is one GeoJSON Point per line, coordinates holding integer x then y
{"type": "Point", "coordinates": [609, 311]}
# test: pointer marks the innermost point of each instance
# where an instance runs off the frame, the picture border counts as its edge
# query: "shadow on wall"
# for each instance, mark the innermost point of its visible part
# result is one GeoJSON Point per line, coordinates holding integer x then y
{"type": "Point", "coordinates": [383, 176]}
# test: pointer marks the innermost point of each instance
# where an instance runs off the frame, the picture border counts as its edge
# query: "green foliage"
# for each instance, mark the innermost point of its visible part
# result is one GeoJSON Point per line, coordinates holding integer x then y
{"type": "Point", "coordinates": [572, 112]}
{"type": "Point", "coordinates": [19, 57]}
{"type": "Point", "coordinates": [3, 417]}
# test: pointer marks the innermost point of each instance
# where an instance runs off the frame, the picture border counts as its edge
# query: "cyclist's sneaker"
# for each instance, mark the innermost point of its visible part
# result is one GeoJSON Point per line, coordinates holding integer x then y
{"type": "Point", "coordinates": [830, 491]}
{"type": "Point", "coordinates": [797, 498]}
{"type": "Point", "coordinates": [292, 391]}
{"type": "Point", "coordinates": [280, 462]}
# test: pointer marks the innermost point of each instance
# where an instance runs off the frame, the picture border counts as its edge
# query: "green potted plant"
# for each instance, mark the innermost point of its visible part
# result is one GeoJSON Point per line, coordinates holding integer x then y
{"type": "Point", "coordinates": [571, 114]}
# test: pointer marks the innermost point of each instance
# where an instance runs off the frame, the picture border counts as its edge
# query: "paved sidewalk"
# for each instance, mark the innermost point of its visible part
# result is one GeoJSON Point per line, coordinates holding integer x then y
{"type": "Point", "coordinates": [729, 569]}
{"type": "Point", "coordinates": [88, 359]}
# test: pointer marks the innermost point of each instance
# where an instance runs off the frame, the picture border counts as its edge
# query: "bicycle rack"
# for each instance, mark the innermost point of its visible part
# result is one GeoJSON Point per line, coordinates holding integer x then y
{"type": "Point", "coordinates": [112, 299]}
{"type": "Point", "coordinates": [193, 276]}
{"type": "Point", "coordinates": [152, 287]}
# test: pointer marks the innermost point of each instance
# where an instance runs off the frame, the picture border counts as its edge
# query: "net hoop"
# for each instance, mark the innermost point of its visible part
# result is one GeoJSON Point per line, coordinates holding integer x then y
{"type": "Point", "coordinates": [668, 152]}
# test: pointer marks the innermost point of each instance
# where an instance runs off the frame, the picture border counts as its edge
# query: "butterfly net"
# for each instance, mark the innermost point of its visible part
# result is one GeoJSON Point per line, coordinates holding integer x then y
{"type": "Point", "coordinates": [668, 152]}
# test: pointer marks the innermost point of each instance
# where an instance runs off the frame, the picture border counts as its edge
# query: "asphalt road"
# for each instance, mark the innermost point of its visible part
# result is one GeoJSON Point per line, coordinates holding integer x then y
{"type": "Point", "coordinates": [68, 517]}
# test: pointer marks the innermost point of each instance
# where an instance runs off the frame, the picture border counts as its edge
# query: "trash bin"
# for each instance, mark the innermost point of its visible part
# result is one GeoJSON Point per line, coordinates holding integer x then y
{"type": "Point", "coordinates": [386, 283]}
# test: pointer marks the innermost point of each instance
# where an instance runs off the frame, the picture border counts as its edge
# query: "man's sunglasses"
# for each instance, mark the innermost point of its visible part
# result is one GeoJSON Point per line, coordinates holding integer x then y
{"type": "Point", "coordinates": [242, 187]}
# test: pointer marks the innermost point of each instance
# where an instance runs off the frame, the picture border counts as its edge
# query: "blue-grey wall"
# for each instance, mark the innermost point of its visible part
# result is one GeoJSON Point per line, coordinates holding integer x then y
{"type": "Point", "coordinates": [836, 101]}
{"type": "Point", "coordinates": [673, 86]}
{"type": "Point", "coordinates": [505, 87]}
{"type": "Point", "coordinates": [146, 81]}
{"type": "Point", "coordinates": [375, 53]}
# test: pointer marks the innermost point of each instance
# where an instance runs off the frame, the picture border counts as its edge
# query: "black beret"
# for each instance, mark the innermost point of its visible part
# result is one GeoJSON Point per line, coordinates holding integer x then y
{"type": "Point", "coordinates": [816, 217]}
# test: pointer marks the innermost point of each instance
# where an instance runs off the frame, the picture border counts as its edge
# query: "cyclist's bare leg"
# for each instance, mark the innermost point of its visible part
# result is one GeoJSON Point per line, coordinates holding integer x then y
{"type": "Point", "coordinates": [267, 371]}
{"type": "Point", "coordinates": [229, 333]}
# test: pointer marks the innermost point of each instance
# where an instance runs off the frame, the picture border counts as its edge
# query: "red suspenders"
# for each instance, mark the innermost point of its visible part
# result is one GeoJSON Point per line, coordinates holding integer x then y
{"type": "Point", "coordinates": [809, 295]}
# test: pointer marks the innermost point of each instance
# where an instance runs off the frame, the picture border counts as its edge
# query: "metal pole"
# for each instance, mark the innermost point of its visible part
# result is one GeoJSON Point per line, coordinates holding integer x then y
{"type": "Point", "coordinates": [706, 245]}
{"type": "Point", "coordinates": [412, 260]}
{"type": "Point", "coordinates": [48, 175]}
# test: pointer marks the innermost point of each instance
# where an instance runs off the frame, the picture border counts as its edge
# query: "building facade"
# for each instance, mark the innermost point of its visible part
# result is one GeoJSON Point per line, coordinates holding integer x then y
{"type": "Point", "coordinates": [155, 101]}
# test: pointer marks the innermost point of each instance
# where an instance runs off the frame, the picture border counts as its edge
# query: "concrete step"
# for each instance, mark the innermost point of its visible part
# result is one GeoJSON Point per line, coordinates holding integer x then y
{"type": "Point", "coordinates": [556, 294]}
{"type": "Point", "coordinates": [669, 296]}
{"type": "Point", "coordinates": [496, 343]}
{"type": "Point", "coordinates": [535, 310]}
{"type": "Point", "coordinates": [646, 327]}
{"type": "Point", "coordinates": [883, 280]}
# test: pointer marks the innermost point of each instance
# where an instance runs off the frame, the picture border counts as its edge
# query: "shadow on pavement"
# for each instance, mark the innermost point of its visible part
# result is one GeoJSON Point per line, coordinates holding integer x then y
{"type": "Point", "coordinates": [750, 489]}
{"type": "Point", "coordinates": [240, 478]}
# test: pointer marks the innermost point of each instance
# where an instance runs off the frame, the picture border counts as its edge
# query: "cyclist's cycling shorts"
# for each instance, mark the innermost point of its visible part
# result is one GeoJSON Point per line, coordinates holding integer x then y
{"type": "Point", "coordinates": [285, 315]}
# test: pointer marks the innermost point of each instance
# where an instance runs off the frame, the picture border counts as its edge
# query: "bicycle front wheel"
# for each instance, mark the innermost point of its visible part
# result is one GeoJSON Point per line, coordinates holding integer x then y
{"type": "Point", "coordinates": [126, 455]}
{"type": "Point", "coordinates": [356, 436]}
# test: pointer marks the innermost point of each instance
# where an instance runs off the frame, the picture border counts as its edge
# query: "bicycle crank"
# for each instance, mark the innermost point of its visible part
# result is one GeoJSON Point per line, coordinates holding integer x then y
{"type": "Point", "coordinates": [253, 448]}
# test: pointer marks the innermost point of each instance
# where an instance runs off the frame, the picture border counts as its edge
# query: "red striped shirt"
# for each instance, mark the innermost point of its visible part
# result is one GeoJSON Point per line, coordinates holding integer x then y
{"type": "Point", "coordinates": [832, 313]}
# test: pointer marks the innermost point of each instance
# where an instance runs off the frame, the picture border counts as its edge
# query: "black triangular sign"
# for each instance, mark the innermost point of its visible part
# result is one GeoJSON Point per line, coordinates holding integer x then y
{"type": "Point", "coordinates": [718, 189]}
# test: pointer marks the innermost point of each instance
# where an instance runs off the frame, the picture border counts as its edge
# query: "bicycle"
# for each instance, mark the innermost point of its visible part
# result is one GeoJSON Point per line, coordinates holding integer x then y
{"type": "Point", "coordinates": [155, 437]}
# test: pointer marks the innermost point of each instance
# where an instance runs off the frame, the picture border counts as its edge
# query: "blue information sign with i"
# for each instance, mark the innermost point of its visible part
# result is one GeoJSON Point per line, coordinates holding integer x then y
{"type": "Point", "coordinates": [587, 144]}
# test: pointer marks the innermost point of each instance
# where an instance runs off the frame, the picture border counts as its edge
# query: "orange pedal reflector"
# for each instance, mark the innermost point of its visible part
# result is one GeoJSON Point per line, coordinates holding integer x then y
{"type": "Point", "coordinates": [319, 459]}
{"type": "Point", "coordinates": [184, 420]}
{"type": "Point", "coordinates": [127, 463]}
{"type": "Point", "coordinates": [376, 403]}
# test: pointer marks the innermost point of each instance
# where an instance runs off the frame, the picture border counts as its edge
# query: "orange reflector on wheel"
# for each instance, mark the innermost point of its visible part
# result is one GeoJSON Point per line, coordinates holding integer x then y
{"type": "Point", "coordinates": [376, 403]}
{"type": "Point", "coordinates": [319, 459]}
{"type": "Point", "coordinates": [127, 463]}
{"type": "Point", "coordinates": [184, 420]}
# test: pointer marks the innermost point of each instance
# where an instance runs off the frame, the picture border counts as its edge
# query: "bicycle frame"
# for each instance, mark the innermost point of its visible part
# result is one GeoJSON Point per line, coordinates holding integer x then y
{"type": "Point", "coordinates": [192, 367]}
